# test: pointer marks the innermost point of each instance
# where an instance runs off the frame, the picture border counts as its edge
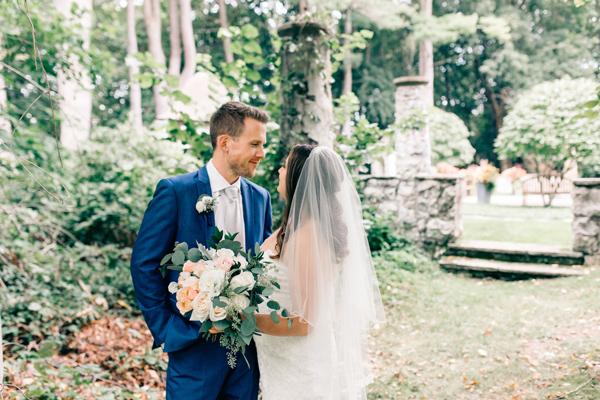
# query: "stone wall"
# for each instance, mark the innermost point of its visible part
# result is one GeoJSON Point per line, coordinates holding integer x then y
{"type": "Point", "coordinates": [426, 207]}
{"type": "Point", "coordinates": [586, 218]}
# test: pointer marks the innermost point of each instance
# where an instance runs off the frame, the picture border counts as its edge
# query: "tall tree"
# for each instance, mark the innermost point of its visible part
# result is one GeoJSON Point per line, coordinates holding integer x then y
{"type": "Point", "coordinates": [187, 39]}
{"type": "Point", "coordinates": [174, 38]}
{"type": "Point", "coordinates": [135, 92]}
{"type": "Point", "coordinates": [4, 123]}
{"type": "Point", "coordinates": [74, 86]}
{"type": "Point", "coordinates": [347, 85]}
{"type": "Point", "coordinates": [225, 26]}
{"type": "Point", "coordinates": [426, 55]}
{"type": "Point", "coordinates": [153, 28]}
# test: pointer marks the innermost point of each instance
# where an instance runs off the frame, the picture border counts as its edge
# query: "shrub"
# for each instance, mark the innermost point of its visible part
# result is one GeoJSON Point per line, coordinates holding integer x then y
{"type": "Point", "coordinates": [113, 178]}
{"type": "Point", "coordinates": [449, 139]}
{"type": "Point", "coordinates": [545, 125]}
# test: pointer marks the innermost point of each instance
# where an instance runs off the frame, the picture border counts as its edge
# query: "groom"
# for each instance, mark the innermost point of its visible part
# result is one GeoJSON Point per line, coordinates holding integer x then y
{"type": "Point", "coordinates": [198, 368]}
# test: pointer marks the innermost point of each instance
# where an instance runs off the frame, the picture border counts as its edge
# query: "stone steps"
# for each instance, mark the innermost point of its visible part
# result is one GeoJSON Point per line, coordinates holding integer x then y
{"type": "Point", "coordinates": [507, 268]}
{"type": "Point", "coordinates": [515, 252]}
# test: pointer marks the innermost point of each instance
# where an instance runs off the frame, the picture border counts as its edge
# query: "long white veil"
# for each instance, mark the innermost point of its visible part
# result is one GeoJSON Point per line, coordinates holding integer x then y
{"type": "Point", "coordinates": [331, 277]}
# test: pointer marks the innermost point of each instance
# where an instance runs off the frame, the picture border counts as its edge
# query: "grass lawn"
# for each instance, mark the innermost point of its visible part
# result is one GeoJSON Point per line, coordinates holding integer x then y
{"type": "Point", "coordinates": [456, 337]}
{"type": "Point", "coordinates": [517, 224]}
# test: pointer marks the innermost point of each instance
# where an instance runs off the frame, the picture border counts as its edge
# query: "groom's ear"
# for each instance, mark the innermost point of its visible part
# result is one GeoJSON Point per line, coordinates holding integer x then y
{"type": "Point", "coordinates": [223, 142]}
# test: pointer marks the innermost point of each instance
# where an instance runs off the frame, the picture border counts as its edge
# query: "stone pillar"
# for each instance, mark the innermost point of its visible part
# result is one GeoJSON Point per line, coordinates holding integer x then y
{"type": "Point", "coordinates": [307, 110]}
{"type": "Point", "coordinates": [586, 218]}
{"type": "Point", "coordinates": [413, 147]}
{"type": "Point", "coordinates": [427, 206]}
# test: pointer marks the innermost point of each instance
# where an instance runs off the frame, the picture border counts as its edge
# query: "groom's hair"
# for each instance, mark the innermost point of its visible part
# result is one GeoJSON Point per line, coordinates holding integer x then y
{"type": "Point", "coordinates": [229, 119]}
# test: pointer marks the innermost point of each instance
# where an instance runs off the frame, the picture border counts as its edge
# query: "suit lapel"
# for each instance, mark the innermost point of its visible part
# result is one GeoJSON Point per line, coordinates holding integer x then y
{"type": "Point", "coordinates": [248, 214]}
{"type": "Point", "coordinates": [203, 187]}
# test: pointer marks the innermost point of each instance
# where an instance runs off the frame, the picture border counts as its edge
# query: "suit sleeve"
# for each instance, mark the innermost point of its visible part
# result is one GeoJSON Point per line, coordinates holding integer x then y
{"type": "Point", "coordinates": [155, 238]}
{"type": "Point", "coordinates": [268, 219]}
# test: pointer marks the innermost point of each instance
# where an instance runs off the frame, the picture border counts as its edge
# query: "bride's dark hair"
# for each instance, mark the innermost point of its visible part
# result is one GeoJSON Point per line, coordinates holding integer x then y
{"type": "Point", "coordinates": [331, 183]}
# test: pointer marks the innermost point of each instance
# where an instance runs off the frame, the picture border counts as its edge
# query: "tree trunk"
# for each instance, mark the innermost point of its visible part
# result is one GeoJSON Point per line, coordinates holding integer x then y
{"type": "Point", "coordinates": [1, 357]}
{"type": "Point", "coordinates": [135, 92]}
{"type": "Point", "coordinates": [75, 93]}
{"type": "Point", "coordinates": [187, 38]}
{"type": "Point", "coordinates": [426, 56]}
{"type": "Point", "coordinates": [174, 39]}
{"type": "Point", "coordinates": [225, 26]}
{"type": "Point", "coordinates": [4, 122]}
{"type": "Point", "coordinates": [153, 28]}
{"type": "Point", "coordinates": [347, 87]}
{"type": "Point", "coordinates": [302, 7]}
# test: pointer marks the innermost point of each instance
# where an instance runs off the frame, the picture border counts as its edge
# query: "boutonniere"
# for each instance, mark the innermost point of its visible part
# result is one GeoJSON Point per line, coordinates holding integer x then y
{"type": "Point", "coordinates": [205, 204]}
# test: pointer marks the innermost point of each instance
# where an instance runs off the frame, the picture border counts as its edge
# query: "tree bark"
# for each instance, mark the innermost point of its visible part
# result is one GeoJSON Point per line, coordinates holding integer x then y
{"type": "Point", "coordinates": [4, 122]}
{"type": "Point", "coordinates": [135, 92]}
{"type": "Point", "coordinates": [74, 88]}
{"type": "Point", "coordinates": [187, 36]}
{"type": "Point", "coordinates": [347, 86]}
{"type": "Point", "coordinates": [153, 28]}
{"type": "Point", "coordinates": [302, 7]}
{"type": "Point", "coordinates": [1, 357]}
{"type": "Point", "coordinates": [174, 39]}
{"type": "Point", "coordinates": [225, 26]}
{"type": "Point", "coordinates": [426, 56]}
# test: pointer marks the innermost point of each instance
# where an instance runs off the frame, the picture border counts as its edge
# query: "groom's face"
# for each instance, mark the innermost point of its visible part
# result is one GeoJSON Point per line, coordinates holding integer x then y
{"type": "Point", "coordinates": [247, 150]}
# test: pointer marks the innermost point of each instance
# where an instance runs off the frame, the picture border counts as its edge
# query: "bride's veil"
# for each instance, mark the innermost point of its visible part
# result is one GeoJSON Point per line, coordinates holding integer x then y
{"type": "Point", "coordinates": [331, 277]}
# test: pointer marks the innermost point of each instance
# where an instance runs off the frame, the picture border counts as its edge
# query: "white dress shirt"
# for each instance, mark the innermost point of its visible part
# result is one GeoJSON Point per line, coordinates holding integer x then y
{"type": "Point", "coordinates": [229, 212]}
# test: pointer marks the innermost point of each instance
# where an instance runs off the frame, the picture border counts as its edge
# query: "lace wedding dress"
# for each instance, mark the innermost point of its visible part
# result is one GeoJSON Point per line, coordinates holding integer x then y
{"type": "Point", "coordinates": [290, 366]}
{"type": "Point", "coordinates": [327, 279]}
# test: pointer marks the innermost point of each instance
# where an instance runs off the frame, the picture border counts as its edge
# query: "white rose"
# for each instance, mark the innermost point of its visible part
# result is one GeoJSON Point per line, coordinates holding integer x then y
{"type": "Point", "coordinates": [173, 287]}
{"type": "Point", "coordinates": [240, 302]}
{"type": "Point", "coordinates": [201, 307]}
{"type": "Point", "coordinates": [200, 206]}
{"type": "Point", "coordinates": [217, 314]}
{"type": "Point", "coordinates": [245, 279]}
{"type": "Point", "coordinates": [212, 281]}
{"type": "Point", "coordinates": [192, 281]}
{"type": "Point", "coordinates": [225, 253]}
{"type": "Point", "coordinates": [184, 275]}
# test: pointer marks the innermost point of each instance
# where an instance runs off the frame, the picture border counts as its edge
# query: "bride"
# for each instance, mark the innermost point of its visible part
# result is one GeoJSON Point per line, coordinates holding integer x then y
{"type": "Point", "coordinates": [322, 260]}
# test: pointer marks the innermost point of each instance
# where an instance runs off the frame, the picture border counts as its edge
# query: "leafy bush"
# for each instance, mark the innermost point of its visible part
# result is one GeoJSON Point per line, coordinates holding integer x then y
{"type": "Point", "coordinates": [448, 135]}
{"type": "Point", "coordinates": [65, 229]}
{"type": "Point", "coordinates": [382, 233]}
{"type": "Point", "coordinates": [449, 138]}
{"type": "Point", "coordinates": [545, 124]}
{"type": "Point", "coordinates": [113, 180]}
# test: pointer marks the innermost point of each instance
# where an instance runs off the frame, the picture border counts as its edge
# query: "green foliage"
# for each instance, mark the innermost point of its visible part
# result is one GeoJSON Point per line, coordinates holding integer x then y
{"type": "Point", "coordinates": [382, 232]}
{"type": "Point", "coordinates": [449, 138]}
{"type": "Point", "coordinates": [366, 142]}
{"type": "Point", "coordinates": [251, 76]}
{"type": "Point", "coordinates": [65, 230]}
{"type": "Point", "coordinates": [345, 49]}
{"type": "Point", "coordinates": [545, 124]}
{"type": "Point", "coordinates": [113, 179]}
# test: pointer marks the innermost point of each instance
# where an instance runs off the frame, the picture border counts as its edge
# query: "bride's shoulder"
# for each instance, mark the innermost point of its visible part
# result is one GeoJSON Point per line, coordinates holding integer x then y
{"type": "Point", "coordinates": [270, 242]}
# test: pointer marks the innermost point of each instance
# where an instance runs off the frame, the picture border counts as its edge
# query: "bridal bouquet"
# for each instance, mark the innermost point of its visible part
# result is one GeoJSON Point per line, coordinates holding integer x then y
{"type": "Point", "coordinates": [221, 286]}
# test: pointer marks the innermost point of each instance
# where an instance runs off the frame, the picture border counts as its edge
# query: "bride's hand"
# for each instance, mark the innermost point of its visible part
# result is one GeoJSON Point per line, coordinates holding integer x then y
{"type": "Point", "coordinates": [214, 331]}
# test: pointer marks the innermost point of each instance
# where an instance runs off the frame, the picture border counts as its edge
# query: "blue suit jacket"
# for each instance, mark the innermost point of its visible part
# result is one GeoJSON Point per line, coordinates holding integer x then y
{"type": "Point", "coordinates": [171, 217]}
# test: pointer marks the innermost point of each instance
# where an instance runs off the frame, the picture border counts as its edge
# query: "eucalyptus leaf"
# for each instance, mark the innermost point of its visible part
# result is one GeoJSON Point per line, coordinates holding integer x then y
{"type": "Point", "coordinates": [166, 259]}
{"type": "Point", "coordinates": [273, 305]}
{"type": "Point", "coordinates": [274, 317]}
{"type": "Point", "coordinates": [178, 257]}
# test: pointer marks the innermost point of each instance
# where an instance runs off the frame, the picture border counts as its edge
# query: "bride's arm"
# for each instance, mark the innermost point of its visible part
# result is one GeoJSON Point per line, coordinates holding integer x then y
{"type": "Point", "coordinates": [265, 325]}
